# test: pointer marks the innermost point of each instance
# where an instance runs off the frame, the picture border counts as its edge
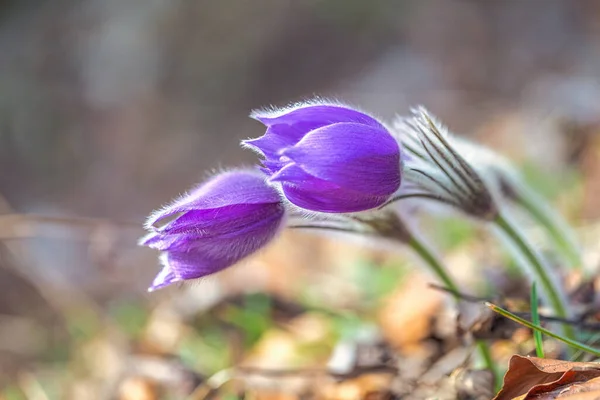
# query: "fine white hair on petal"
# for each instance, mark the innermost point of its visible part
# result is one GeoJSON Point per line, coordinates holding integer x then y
{"type": "Point", "coordinates": [248, 146]}
{"type": "Point", "coordinates": [144, 238]}
{"type": "Point", "coordinates": [163, 274]}
{"type": "Point", "coordinates": [184, 197]}
{"type": "Point", "coordinates": [273, 111]}
{"type": "Point", "coordinates": [156, 215]}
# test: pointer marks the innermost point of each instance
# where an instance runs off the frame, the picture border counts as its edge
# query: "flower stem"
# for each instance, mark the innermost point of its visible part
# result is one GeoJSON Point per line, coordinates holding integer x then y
{"type": "Point", "coordinates": [432, 262]}
{"type": "Point", "coordinates": [552, 292]}
{"type": "Point", "coordinates": [557, 229]}
{"type": "Point", "coordinates": [440, 271]}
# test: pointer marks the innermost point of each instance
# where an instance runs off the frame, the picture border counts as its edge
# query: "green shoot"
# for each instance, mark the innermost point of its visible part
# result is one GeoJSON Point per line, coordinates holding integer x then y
{"type": "Point", "coordinates": [570, 342]}
{"type": "Point", "coordinates": [486, 354]}
{"type": "Point", "coordinates": [535, 318]}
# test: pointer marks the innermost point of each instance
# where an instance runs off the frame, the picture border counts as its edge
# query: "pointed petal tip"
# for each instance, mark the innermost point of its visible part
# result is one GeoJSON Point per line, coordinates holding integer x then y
{"type": "Point", "coordinates": [283, 174]}
{"type": "Point", "coordinates": [144, 240]}
{"type": "Point", "coordinates": [257, 145]}
{"type": "Point", "coordinates": [157, 215]}
{"type": "Point", "coordinates": [250, 143]}
{"type": "Point", "coordinates": [291, 152]}
{"type": "Point", "coordinates": [165, 277]}
{"type": "Point", "coordinates": [263, 115]}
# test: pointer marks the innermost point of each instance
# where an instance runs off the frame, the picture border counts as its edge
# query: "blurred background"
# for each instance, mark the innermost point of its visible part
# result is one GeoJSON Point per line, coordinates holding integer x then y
{"type": "Point", "coordinates": [110, 108]}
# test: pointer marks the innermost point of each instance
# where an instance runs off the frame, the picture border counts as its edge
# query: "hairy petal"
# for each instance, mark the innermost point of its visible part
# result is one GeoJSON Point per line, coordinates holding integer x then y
{"type": "Point", "coordinates": [314, 115]}
{"type": "Point", "coordinates": [352, 156]}
{"type": "Point", "coordinates": [164, 278]}
{"type": "Point", "coordinates": [219, 223]}
{"type": "Point", "coordinates": [262, 223]}
{"type": "Point", "coordinates": [331, 200]}
{"type": "Point", "coordinates": [207, 257]}
{"type": "Point", "coordinates": [312, 193]}
{"type": "Point", "coordinates": [287, 127]}
{"type": "Point", "coordinates": [222, 220]}
{"type": "Point", "coordinates": [226, 189]}
{"type": "Point", "coordinates": [276, 138]}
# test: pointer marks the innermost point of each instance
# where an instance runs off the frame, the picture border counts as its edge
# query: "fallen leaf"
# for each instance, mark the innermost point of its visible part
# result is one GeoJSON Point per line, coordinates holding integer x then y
{"type": "Point", "coordinates": [577, 391]}
{"type": "Point", "coordinates": [531, 377]}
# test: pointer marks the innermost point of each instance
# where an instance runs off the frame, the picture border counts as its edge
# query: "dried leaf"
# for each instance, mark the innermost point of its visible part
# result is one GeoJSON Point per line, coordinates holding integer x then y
{"type": "Point", "coordinates": [528, 377]}
{"type": "Point", "coordinates": [577, 391]}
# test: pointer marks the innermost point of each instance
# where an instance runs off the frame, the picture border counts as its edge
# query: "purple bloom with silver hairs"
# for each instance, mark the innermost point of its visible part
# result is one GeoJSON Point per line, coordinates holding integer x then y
{"type": "Point", "coordinates": [328, 157]}
{"type": "Point", "coordinates": [227, 218]}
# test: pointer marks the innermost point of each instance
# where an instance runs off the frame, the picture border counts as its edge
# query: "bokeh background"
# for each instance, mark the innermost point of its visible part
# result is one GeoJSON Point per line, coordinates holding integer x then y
{"type": "Point", "coordinates": [110, 108]}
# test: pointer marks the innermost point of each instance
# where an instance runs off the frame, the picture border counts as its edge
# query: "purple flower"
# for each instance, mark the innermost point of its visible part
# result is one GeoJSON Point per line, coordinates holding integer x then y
{"type": "Point", "coordinates": [217, 224]}
{"type": "Point", "coordinates": [329, 157]}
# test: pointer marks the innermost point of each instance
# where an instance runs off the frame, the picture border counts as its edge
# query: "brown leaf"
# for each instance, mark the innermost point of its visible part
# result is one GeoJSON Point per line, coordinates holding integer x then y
{"type": "Point", "coordinates": [530, 376]}
{"type": "Point", "coordinates": [576, 391]}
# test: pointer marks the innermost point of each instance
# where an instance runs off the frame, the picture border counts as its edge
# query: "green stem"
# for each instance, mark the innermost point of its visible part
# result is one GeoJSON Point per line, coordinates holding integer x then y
{"type": "Point", "coordinates": [542, 274]}
{"type": "Point", "coordinates": [535, 318]}
{"type": "Point", "coordinates": [486, 354]}
{"type": "Point", "coordinates": [557, 229]}
{"type": "Point", "coordinates": [440, 271]}
{"type": "Point", "coordinates": [432, 262]}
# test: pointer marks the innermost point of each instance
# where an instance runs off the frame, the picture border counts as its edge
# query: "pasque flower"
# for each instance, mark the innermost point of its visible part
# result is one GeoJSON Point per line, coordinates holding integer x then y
{"type": "Point", "coordinates": [328, 157]}
{"type": "Point", "coordinates": [217, 224]}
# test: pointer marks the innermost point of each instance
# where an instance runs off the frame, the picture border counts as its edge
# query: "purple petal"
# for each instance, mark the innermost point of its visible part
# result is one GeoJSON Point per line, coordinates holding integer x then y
{"type": "Point", "coordinates": [311, 193]}
{"type": "Point", "coordinates": [194, 265]}
{"type": "Point", "coordinates": [164, 278]}
{"type": "Point", "coordinates": [334, 200]}
{"type": "Point", "coordinates": [222, 220]}
{"type": "Point", "coordinates": [258, 223]}
{"type": "Point", "coordinates": [172, 242]}
{"type": "Point", "coordinates": [287, 127]}
{"type": "Point", "coordinates": [314, 115]}
{"type": "Point", "coordinates": [226, 189]}
{"type": "Point", "coordinates": [214, 254]}
{"type": "Point", "coordinates": [275, 139]}
{"type": "Point", "coordinates": [271, 166]}
{"type": "Point", "coordinates": [352, 156]}
{"type": "Point", "coordinates": [156, 240]}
